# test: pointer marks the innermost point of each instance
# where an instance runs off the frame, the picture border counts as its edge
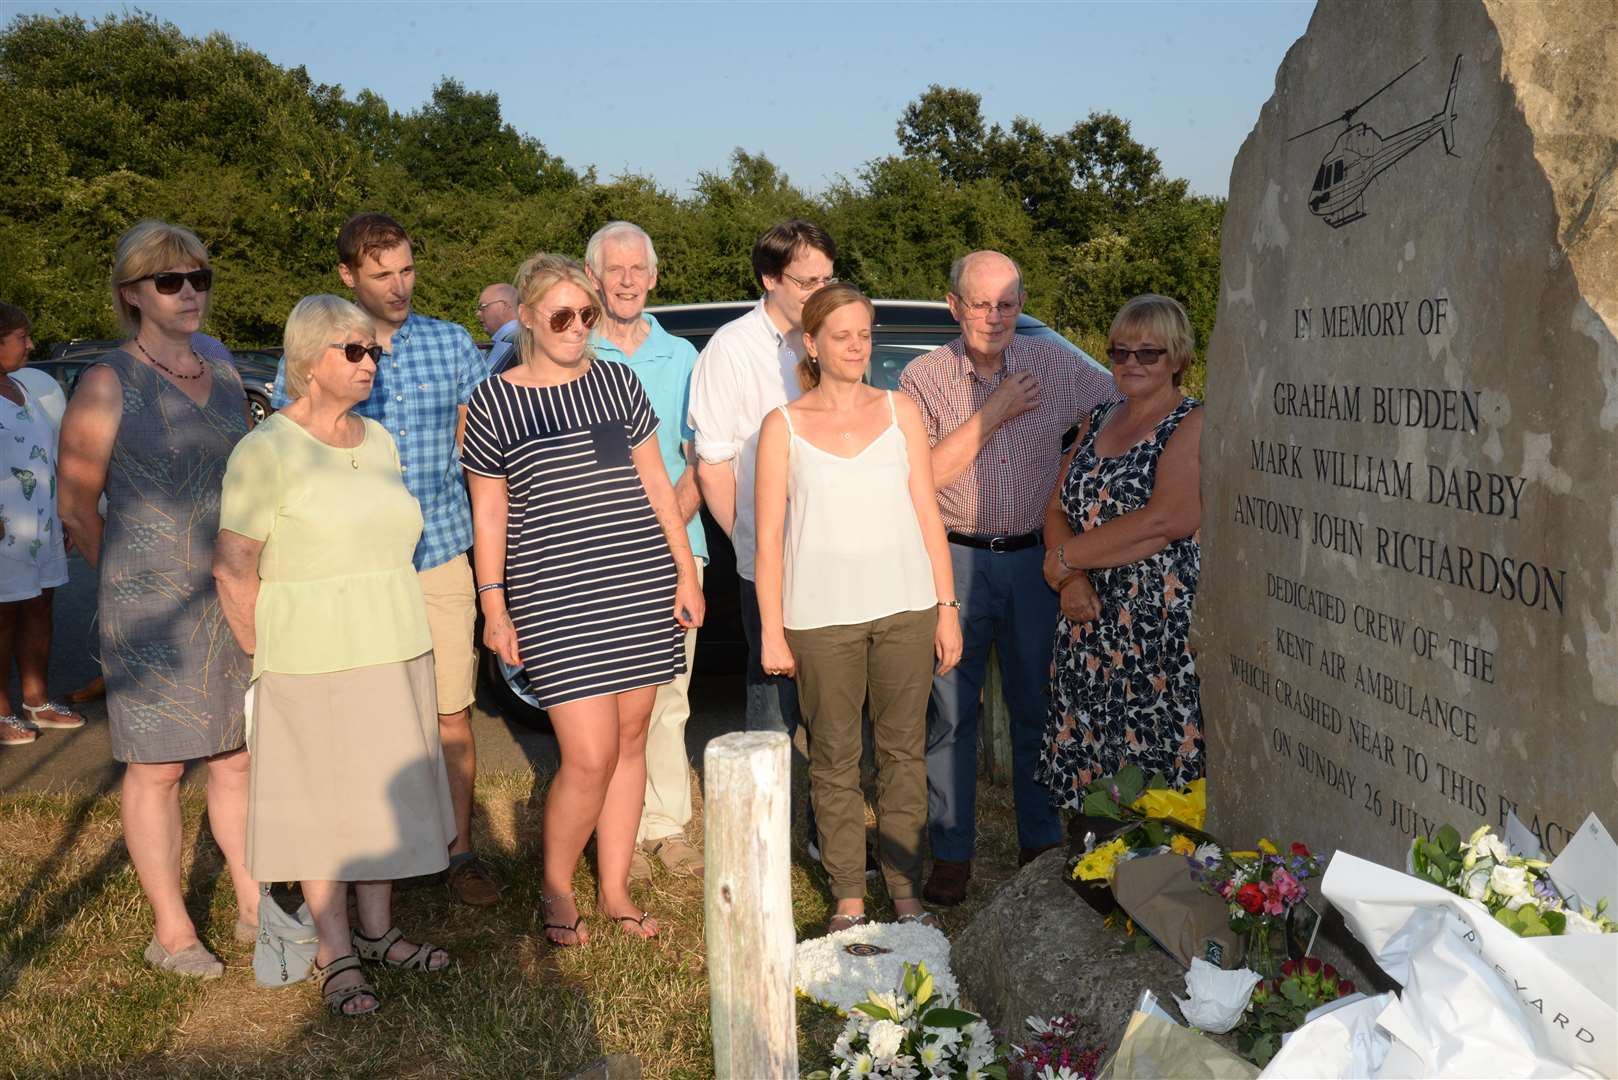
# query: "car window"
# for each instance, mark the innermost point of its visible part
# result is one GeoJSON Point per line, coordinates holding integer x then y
{"type": "Point", "coordinates": [888, 359]}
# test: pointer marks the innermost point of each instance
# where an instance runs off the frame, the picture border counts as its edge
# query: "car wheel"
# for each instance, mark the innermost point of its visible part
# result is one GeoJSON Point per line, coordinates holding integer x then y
{"type": "Point", "coordinates": [259, 406]}
{"type": "Point", "coordinates": [512, 695]}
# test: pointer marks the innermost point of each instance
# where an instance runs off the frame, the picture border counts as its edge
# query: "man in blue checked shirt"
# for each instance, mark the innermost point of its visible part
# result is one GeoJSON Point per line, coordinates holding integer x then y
{"type": "Point", "coordinates": [425, 378]}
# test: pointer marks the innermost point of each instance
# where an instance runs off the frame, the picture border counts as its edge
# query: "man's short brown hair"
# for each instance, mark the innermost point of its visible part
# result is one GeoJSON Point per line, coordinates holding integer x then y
{"type": "Point", "coordinates": [367, 234]}
{"type": "Point", "coordinates": [781, 243]}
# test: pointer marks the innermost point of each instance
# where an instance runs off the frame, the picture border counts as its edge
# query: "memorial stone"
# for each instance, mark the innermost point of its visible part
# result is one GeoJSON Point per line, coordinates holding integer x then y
{"type": "Point", "coordinates": [1408, 612]}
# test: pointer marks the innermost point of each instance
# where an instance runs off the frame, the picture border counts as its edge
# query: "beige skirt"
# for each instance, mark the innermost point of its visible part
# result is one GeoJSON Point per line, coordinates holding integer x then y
{"type": "Point", "coordinates": [348, 776]}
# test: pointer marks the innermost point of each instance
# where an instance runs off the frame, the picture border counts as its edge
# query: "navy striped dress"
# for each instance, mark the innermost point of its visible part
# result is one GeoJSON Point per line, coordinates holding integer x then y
{"type": "Point", "coordinates": [589, 576]}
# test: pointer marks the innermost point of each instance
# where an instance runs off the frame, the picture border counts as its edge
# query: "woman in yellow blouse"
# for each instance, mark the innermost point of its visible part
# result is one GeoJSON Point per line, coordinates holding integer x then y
{"type": "Point", "coordinates": [314, 571]}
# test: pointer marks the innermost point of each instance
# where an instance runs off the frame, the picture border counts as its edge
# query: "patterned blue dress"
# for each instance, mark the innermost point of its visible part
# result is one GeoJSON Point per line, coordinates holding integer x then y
{"type": "Point", "coordinates": [175, 676]}
{"type": "Point", "coordinates": [1124, 687]}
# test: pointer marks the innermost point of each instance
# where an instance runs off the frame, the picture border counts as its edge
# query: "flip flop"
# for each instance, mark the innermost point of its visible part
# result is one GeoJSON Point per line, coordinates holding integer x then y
{"type": "Point", "coordinates": [566, 928]}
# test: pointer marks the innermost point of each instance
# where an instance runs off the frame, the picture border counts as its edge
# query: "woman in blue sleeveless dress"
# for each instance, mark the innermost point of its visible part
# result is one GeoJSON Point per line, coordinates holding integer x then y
{"type": "Point", "coordinates": [1121, 542]}
{"type": "Point", "coordinates": [151, 426]}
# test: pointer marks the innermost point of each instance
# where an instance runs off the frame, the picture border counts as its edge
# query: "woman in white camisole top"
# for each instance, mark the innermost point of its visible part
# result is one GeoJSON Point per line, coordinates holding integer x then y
{"type": "Point", "coordinates": [856, 596]}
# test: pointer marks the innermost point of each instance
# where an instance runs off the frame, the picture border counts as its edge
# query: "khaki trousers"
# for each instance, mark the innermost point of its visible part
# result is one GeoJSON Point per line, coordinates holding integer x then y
{"type": "Point", "coordinates": [668, 770]}
{"type": "Point", "coordinates": [889, 661]}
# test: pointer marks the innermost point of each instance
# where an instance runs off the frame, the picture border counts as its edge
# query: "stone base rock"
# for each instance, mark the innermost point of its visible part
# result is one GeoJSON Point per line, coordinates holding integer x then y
{"type": "Point", "coordinates": [1039, 950]}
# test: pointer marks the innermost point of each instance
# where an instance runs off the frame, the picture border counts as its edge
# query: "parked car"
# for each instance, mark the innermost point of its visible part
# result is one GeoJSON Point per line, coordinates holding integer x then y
{"type": "Point", "coordinates": [257, 368]}
{"type": "Point", "coordinates": [903, 330]}
{"type": "Point", "coordinates": [66, 361]}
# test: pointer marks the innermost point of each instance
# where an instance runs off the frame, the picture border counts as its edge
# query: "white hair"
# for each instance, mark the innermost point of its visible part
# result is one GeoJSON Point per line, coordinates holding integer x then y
{"type": "Point", "coordinates": [614, 230]}
{"type": "Point", "coordinates": [311, 328]}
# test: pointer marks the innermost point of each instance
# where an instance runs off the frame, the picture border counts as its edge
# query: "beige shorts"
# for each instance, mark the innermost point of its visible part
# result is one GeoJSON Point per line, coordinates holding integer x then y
{"type": "Point", "coordinates": [451, 616]}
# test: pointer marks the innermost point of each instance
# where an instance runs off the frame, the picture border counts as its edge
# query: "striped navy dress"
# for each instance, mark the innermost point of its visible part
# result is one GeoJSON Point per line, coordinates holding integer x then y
{"type": "Point", "coordinates": [589, 577]}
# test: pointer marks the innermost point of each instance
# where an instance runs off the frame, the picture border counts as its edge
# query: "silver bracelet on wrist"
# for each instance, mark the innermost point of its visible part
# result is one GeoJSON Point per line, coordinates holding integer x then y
{"type": "Point", "coordinates": [1061, 557]}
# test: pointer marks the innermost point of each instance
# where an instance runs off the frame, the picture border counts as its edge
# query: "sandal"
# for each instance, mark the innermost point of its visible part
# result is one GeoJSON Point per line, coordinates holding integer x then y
{"type": "Point", "coordinates": [545, 903]}
{"type": "Point", "coordinates": [921, 918]}
{"type": "Point", "coordinates": [338, 997]}
{"type": "Point", "coordinates": [52, 715]}
{"type": "Point", "coordinates": [838, 923]}
{"type": "Point", "coordinates": [623, 921]}
{"type": "Point", "coordinates": [15, 732]}
{"type": "Point", "coordinates": [376, 951]}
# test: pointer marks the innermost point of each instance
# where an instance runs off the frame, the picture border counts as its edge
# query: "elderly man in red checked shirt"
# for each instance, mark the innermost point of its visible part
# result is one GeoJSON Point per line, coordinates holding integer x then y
{"type": "Point", "coordinates": [996, 407]}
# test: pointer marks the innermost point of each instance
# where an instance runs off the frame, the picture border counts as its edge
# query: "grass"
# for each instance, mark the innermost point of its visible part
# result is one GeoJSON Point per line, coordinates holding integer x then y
{"type": "Point", "coordinates": [76, 1000]}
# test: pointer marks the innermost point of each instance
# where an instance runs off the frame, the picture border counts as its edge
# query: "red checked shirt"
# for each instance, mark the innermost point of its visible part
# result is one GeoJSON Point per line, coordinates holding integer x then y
{"type": "Point", "coordinates": [1004, 490]}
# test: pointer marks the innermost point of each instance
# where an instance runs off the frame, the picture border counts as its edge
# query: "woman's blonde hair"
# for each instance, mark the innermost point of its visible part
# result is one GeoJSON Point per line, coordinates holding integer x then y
{"type": "Point", "coordinates": [1162, 319]}
{"type": "Point", "coordinates": [816, 310]}
{"type": "Point", "coordinates": [148, 247]}
{"type": "Point", "coordinates": [538, 275]}
{"type": "Point", "coordinates": [316, 323]}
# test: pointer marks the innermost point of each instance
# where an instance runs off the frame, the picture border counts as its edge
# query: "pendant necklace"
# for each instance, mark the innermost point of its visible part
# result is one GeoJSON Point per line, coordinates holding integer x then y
{"type": "Point", "coordinates": [201, 367]}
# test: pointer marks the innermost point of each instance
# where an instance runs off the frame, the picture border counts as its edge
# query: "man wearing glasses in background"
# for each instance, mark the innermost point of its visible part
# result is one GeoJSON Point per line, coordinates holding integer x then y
{"type": "Point", "coordinates": [427, 373]}
{"type": "Point", "coordinates": [996, 407]}
{"type": "Point", "coordinates": [749, 367]}
{"type": "Point", "coordinates": [497, 311]}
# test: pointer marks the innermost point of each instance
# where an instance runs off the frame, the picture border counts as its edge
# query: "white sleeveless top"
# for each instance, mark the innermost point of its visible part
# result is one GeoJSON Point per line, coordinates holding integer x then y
{"type": "Point", "coordinates": [854, 550]}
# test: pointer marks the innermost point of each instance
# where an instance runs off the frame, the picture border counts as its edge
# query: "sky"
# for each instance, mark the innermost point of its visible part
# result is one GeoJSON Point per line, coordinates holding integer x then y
{"type": "Point", "coordinates": [668, 90]}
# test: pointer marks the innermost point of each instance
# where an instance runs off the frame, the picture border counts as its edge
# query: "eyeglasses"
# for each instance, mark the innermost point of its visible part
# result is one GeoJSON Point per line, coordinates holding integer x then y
{"type": "Point", "coordinates": [983, 308]}
{"type": "Point", "coordinates": [809, 284]}
{"type": "Point", "coordinates": [491, 303]}
{"type": "Point", "coordinates": [562, 318]}
{"type": "Point", "coordinates": [1145, 356]}
{"type": "Point", "coordinates": [168, 282]}
{"type": "Point", "coordinates": [354, 352]}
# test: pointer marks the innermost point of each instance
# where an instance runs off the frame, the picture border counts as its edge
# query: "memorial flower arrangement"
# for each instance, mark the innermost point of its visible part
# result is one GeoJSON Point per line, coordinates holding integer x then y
{"type": "Point", "coordinates": [1261, 889]}
{"type": "Point", "coordinates": [1516, 890]}
{"type": "Point", "coordinates": [1279, 1005]}
{"type": "Point", "coordinates": [1060, 1048]}
{"type": "Point", "coordinates": [838, 970]}
{"type": "Point", "coordinates": [914, 1033]}
{"type": "Point", "coordinates": [1153, 819]}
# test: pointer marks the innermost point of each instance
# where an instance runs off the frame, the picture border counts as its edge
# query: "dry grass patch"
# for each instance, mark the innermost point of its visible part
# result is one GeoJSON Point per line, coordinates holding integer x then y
{"type": "Point", "coordinates": [77, 1000]}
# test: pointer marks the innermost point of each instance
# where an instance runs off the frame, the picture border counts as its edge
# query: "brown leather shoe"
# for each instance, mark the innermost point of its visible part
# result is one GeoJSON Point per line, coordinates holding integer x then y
{"type": "Point", "coordinates": [946, 886]}
{"type": "Point", "coordinates": [1029, 854]}
{"type": "Point", "coordinates": [472, 884]}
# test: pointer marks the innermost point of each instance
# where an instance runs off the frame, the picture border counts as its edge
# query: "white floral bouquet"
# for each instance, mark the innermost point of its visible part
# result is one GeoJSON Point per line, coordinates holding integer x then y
{"type": "Point", "coordinates": [1516, 890]}
{"type": "Point", "coordinates": [914, 1033]}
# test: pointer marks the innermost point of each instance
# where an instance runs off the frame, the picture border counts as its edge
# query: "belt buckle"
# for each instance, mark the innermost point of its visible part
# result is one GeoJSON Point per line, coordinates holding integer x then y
{"type": "Point", "coordinates": [997, 544]}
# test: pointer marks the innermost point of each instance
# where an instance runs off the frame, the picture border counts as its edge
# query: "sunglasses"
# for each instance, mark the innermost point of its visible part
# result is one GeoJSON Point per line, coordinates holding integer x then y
{"type": "Point", "coordinates": [1146, 357]}
{"type": "Point", "coordinates": [562, 318]}
{"type": "Point", "coordinates": [168, 282]}
{"type": "Point", "coordinates": [354, 352]}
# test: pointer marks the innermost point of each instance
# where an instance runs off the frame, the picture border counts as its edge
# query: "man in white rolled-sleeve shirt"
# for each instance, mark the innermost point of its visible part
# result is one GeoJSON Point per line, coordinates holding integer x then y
{"type": "Point", "coordinates": [747, 369]}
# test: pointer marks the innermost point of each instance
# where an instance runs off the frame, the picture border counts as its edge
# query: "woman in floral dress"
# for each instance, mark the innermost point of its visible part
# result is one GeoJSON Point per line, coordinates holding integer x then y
{"type": "Point", "coordinates": [32, 560]}
{"type": "Point", "coordinates": [1121, 548]}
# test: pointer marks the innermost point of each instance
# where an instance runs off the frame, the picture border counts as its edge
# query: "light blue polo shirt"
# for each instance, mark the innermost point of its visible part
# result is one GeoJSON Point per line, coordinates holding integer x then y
{"type": "Point", "coordinates": [663, 364]}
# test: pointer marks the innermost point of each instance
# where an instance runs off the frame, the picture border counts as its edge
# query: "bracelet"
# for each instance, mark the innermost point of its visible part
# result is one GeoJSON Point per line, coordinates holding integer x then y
{"type": "Point", "coordinates": [491, 585]}
{"type": "Point", "coordinates": [1062, 558]}
{"type": "Point", "coordinates": [956, 604]}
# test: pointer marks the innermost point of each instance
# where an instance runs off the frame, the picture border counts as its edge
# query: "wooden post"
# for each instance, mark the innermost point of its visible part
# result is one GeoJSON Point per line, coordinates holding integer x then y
{"type": "Point", "coordinates": [747, 796]}
{"type": "Point", "coordinates": [994, 725]}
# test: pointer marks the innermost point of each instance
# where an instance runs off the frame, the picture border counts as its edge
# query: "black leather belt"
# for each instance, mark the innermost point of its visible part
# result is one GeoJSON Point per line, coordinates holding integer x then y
{"type": "Point", "coordinates": [996, 543]}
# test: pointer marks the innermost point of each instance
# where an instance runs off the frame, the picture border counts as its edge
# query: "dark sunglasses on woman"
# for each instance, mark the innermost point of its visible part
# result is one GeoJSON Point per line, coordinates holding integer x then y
{"type": "Point", "coordinates": [1145, 357]}
{"type": "Point", "coordinates": [354, 352]}
{"type": "Point", "coordinates": [562, 318]}
{"type": "Point", "coordinates": [168, 282]}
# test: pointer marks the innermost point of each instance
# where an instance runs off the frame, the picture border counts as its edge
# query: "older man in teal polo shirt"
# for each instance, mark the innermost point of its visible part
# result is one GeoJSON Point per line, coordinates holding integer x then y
{"type": "Point", "coordinates": [622, 263]}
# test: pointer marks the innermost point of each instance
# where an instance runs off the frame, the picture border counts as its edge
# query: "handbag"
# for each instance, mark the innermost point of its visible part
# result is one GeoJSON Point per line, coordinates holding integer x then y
{"type": "Point", "coordinates": [285, 951]}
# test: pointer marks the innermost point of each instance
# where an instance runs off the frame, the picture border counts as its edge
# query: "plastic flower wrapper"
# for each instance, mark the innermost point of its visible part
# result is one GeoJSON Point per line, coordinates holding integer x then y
{"type": "Point", "coordinates": [1189, 807]}
{"type": "Point", "coordinates": [1218, 997]}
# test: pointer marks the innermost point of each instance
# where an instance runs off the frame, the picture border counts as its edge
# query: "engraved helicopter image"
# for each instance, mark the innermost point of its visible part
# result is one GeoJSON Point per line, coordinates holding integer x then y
{"type": "Point", "coordinates": [1361, 154]}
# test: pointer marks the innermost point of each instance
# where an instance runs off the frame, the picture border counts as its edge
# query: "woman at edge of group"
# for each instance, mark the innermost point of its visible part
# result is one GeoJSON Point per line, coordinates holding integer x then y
{"type": "Point", "coordinates": [151, 426]}
{"type": "Point", "coordinates": [585, 575]}
{"type": "Point", "coordinates": [846, 619]}
{"type": "Point", "coordinates": [33, 559]}
{"type": "Point", "coordinates": [1121, 548]}
{"type": "Point", "coordinates": [315, 575]}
